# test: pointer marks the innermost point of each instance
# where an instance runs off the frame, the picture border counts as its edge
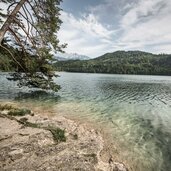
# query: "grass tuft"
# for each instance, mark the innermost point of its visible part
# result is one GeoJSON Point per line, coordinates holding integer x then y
{"type": "Point", "coordinates": [58, 134]}
{"type": "Point", "coordinates": [32, 125]}
{"type": "Point", "coordinates": [19, 112]}
{"type": "Point", "coordinates": [12, 111]}
{"type": "Point", "coordinates": [6, 107]}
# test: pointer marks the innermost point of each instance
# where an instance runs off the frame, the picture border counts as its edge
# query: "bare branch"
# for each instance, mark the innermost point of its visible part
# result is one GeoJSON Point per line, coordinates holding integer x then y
{"type": "Point", "coordinates": [27, 34]}
{"type": "Point", "coordinates": [8, 9]}
{"type": "Point", "coordinates": [17, 39]}
{"type": "Point", "coordinates": [33, 26]}
{"type": "Point", "coordinates": [28, 25]}
{"type": "Point", "coordinates": [27, 11]}
{"type": "Point", "coordinates": [33, 10]}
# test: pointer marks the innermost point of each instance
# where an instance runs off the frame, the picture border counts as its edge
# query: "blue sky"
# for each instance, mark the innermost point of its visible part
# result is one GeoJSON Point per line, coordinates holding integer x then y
{"type": "Point", "coordinates": [95, 27]}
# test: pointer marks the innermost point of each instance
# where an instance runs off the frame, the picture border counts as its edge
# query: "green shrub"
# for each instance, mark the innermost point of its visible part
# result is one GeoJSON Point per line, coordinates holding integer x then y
{"type": "Point", "coordinates": [19, 112]}
{"type": "Point", "coordinates": [58, 134]}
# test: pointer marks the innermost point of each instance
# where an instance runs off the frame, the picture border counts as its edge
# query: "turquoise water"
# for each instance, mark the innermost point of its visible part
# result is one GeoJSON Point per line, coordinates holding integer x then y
{"type": "Point", "coordinates": [135, 112]}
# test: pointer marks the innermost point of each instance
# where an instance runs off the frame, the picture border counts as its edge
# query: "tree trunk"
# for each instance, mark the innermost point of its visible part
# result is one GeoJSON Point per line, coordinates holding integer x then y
{"type": "Point", "coordinates": [10, 19]}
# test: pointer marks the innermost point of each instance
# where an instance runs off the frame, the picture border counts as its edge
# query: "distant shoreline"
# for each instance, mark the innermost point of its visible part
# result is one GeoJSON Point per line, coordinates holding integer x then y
{"type": "Point", "coordinates": [97, 73]}
{"type": "Point", "coordinates": [109, 73]}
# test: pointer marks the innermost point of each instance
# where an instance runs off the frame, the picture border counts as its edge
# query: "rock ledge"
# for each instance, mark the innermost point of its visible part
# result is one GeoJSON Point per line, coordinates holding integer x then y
{"type": "Point", "coordinates": [26, 148]}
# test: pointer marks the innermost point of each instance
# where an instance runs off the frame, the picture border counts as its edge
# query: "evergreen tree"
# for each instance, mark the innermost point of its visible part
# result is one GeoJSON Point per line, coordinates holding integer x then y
{"type": "Point", "coordinates": [30, 27]}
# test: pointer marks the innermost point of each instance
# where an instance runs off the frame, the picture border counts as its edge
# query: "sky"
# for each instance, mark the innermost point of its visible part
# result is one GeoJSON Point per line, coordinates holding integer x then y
{"type": "Point", "coordinates": [96, 27]}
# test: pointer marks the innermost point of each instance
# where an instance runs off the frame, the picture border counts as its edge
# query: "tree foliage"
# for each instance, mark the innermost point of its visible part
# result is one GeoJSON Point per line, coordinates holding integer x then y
{"type": "Point", "coordinates": [121, 62]}
{"type": "Point", "coordinates": [28, 33]}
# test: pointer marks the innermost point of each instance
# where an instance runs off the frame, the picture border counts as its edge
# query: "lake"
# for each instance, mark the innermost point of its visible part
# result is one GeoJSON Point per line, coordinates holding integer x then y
{"type": "Point", "coordinates": [134, 111]}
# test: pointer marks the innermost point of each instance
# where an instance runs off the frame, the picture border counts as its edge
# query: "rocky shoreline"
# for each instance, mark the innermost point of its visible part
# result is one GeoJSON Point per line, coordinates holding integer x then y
{"type": "Point", "coordinates": [32, 142]}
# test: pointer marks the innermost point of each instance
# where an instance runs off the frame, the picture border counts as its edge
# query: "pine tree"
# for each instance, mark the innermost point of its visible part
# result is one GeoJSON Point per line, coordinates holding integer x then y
{"type": "Point", "coordinates": [29, 33]}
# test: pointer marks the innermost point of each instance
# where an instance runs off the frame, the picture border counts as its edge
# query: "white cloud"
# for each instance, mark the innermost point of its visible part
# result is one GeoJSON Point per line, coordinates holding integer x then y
{"type": "Point", "coordinates": [119, 25]}
{"type": "Point", "coordinates": [166, 48]}
{"type": "Point", "coordinates": [85, 35]}
{"type": "Point", "coordinates": [132, 25]}
{"type": "Point", "coordinates": [147, 24]}
{"type": "Point", "coordinates": [141, 10]}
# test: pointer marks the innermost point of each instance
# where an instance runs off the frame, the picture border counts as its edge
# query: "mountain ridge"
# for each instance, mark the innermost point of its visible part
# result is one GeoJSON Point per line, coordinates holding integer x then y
{"type": "Point", "coordinates": [121, 62]}
{"type": "Point", "coordinates": [71, 56]}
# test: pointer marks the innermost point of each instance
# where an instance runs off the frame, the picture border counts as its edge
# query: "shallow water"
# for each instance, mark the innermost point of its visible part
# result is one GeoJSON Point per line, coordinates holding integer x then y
{"type": "Point", "coordinates": [135, 111]}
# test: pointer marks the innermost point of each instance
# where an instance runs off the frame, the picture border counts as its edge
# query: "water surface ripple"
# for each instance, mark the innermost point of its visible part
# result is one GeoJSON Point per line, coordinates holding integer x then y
{"type": "Point", "coordinates": [135, 111]}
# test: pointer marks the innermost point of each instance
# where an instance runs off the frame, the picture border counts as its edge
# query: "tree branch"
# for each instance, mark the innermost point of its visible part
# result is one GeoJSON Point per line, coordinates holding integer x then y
{"type": "Point", "coordinates": [28, 25]}
{"type": "Point", "coordinates": [27, 34]}
{"type": "Point", "coordinates": [12, 56]}
{"type": "Point", "coordinates": [17, 39]}
{"type": "Point", "coordinates": [11, 6]}
{"type": "Point", "coordinates": [32, 26]}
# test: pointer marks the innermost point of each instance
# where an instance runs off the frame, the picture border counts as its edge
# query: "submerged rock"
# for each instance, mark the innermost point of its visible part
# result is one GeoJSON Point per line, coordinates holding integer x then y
{"type": "Point", "coordinates": [29, 147]}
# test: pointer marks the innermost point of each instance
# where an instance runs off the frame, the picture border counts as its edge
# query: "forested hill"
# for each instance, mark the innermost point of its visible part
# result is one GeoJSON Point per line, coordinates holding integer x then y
{"type": "Point", "coordinates": [121, 62]}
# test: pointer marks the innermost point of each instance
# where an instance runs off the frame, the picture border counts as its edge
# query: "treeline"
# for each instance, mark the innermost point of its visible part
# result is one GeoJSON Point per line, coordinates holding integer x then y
{"type": "Point", "coordinates": [121, 62]}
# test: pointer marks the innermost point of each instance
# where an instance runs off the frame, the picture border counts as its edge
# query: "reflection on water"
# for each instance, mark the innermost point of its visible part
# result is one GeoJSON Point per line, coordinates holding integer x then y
{"type": "Point", "coordinates": [38, 96]}
{"type": "Point", "coordinates": [134, 110]}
